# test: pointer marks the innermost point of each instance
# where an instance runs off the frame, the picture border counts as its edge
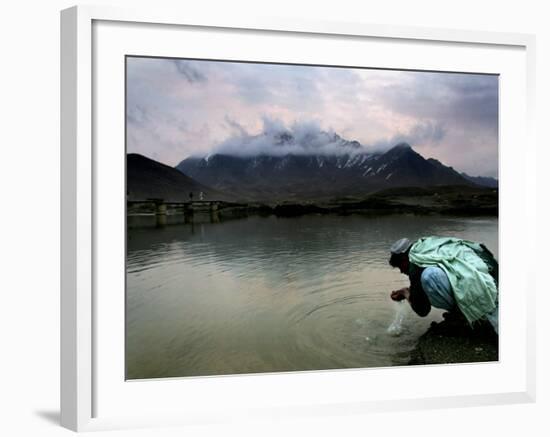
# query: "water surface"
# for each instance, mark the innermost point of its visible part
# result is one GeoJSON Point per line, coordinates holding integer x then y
{"type": "Point", "coordinates": [268, 294]}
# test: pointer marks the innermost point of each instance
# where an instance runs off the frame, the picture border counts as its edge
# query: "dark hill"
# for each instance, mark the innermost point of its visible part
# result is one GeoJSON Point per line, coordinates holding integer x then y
{"type": "Point", "coordinates": [149, 179]}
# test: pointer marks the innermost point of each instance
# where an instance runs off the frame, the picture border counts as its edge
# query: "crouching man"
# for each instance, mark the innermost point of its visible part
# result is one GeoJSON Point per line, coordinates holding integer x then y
{"type": "Point", "coordinates": [456, 275]}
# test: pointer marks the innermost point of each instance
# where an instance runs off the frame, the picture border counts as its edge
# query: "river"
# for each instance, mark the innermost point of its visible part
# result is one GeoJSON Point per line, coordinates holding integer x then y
{"type": "Point", "coordinates": [268, 294]}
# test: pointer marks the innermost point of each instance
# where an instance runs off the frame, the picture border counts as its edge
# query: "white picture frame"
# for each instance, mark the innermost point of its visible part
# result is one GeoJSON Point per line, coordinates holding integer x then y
{"type": "Point", "coordinates": [85, 375]}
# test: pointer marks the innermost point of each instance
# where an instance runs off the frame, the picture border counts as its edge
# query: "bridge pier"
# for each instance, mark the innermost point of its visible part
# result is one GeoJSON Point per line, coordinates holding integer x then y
{"type": "Point", "coordinates": [160, 213]}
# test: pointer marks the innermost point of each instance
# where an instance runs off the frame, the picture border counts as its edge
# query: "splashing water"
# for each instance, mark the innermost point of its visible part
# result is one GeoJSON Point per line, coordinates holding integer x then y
{"type": "Point", "coordinates": [396, 327]}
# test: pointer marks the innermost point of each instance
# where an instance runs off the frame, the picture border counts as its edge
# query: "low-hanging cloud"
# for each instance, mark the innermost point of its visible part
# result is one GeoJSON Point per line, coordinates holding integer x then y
{"type": "Point", "coordinates": [308, 138]}
{"type": "Point", "coordinates": [278, 139]}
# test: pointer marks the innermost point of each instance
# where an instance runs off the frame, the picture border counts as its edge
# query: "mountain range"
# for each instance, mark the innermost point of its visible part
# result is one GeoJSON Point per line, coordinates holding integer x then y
{"type": "Point", "coordinates": [481, 180]}
{"type": "Point", "coordinates": [314, 176]}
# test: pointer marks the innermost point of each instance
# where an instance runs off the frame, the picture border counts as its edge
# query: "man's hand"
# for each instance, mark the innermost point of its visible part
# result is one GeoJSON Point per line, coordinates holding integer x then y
{"type": "Point", "coordinates": [402, 293]}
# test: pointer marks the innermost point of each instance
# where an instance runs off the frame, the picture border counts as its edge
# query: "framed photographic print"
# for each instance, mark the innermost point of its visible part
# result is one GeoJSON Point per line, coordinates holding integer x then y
{"type": "Point", "coordinates": [277, 218]}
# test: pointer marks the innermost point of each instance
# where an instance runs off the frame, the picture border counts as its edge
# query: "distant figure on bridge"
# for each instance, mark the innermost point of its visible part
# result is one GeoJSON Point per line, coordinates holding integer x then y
{"type": "Point", "coordinates": [191, 196]}
{"type": "Point", "coordinates": [201, 196]}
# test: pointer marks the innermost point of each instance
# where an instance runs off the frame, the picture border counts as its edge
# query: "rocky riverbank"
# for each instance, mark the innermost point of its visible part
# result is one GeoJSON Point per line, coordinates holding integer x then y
{"type": "Point", "coordinates": [454, 341]}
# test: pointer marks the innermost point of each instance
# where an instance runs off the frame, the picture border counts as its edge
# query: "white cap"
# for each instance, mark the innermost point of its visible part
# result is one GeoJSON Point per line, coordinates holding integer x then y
{"type": "Point", "coordinates": [400, 246]}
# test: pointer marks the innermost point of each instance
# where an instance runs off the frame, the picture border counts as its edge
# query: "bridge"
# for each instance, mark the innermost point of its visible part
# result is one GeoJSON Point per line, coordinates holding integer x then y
{"type": "Point", "coordinates": [161, 208]}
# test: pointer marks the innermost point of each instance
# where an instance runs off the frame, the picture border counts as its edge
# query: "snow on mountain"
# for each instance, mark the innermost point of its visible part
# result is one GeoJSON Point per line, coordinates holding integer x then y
{"type": "Point", "coordinates": [352, 171]}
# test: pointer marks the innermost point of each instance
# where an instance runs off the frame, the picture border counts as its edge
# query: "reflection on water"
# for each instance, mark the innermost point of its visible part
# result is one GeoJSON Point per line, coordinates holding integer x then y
{"type": "Point", "coordinates": [161, 220]}
{"type": "Point", "coordinates": [267, 294]}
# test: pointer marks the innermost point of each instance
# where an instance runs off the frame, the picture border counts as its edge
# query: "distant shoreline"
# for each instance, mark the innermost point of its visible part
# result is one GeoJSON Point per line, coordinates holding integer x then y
{"type": "Point", "coordinates": [455, 201]}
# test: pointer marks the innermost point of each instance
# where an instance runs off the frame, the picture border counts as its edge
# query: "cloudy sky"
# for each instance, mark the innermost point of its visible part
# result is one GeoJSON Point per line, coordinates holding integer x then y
{"type": "Point", "coordinates": [181, 108]}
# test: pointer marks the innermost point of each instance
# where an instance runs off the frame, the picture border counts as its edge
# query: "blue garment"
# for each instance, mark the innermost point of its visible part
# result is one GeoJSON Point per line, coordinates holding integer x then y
{"type": "Point", "coordinates": [438, 288]}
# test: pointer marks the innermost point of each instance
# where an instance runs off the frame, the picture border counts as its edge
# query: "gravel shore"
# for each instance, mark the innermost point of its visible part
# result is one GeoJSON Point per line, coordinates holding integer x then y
{"type": "Point", "coordinates": [454, 341]}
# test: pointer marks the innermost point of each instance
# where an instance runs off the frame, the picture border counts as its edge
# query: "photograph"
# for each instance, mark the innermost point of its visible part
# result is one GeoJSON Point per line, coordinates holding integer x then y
{"type": "Point", "coordinates": [295, 217]}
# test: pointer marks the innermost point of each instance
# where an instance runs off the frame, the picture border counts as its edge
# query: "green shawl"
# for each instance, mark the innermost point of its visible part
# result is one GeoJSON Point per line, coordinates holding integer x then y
{"type": "Point", "coordinates": [474, 288]}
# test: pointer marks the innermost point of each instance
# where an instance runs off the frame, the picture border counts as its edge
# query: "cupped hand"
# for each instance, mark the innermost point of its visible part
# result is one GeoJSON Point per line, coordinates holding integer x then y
{"type": "Point", "coordinates": [400, 294]}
